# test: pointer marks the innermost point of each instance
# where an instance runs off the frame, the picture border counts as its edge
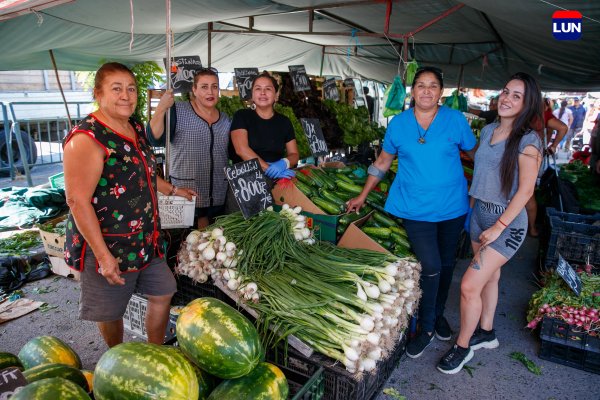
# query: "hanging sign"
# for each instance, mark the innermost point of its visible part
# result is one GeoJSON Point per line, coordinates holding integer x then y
{"type": "Point", "coordinates": [181, 72]}
{"type": "Point", "coordinates": [11, 382]}
{"type": "Point", "coordinates": [330, 90]}
{"type": "Point", "coordinates": [569, 275]}
{"type": "Point", "coordinates": [349, 83]}
{"type": "Point", "coordinates": [299, 78]}
{"type": "Point", "coordinates": [314, 134]}
{"type": "Point", "coordinates": [243, 79]}
{"type": "Point", "coordinates": [249, 187]}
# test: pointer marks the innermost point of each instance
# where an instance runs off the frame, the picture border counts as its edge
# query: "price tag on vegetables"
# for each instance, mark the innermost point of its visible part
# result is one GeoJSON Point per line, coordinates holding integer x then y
{"type": "Point", "coordinates": [314, 134]}
{"type": "Point", "coordinates": [569, 275]}
{"type": "Point", "coordinates": [330, 90]}
{"type": "Point", "coordinates": [243, 79]}
{"type": "Point", "coordinates": [299, 78]}
{"type": "Point", "coordinates": [11, 381]}
{"type": "Point", "coordinates": [249, 187]}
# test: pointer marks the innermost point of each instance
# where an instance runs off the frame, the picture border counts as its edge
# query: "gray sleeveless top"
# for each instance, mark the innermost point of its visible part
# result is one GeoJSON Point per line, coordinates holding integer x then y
{"type": "Point", "coordinates": [486, 184]}
{"type": "Point", "coordinates": [199, 155]}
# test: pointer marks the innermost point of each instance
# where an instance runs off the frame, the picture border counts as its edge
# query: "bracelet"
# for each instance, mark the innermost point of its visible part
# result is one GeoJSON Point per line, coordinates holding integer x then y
{"type": "Point", "coordinates": [173, 191]}
{"type": "Point", "coordinates": [503, 224]}
{"type": "Point", "coordinates": [376, 172]}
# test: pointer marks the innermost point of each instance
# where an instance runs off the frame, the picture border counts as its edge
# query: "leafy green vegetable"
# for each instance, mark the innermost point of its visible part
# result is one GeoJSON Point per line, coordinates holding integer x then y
{"type": "Point", "coordinates": [20, 243]}
{"type": "Point", "coordinates": [301, 140]}
{"type": "Point", "coordinates": [393, 393]}
{"type": "Point", "coordinates": [229, 105]}
{"type": "Point", "coordinates": [59, 228]}
{"type": "Point", "coordinates": [354, 123]}
{"type": "Point", "coordinates": [522, 358]}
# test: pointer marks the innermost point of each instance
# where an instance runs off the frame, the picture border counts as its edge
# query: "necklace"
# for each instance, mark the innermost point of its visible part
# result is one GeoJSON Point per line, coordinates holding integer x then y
{"type": "Point", "coordinates": [421, 139]}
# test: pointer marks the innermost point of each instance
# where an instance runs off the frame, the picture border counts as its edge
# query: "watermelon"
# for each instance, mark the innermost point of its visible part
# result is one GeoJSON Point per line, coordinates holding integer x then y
{"type": "Point", "coordinates": [218, 339]}
{"type": "Point", "coordinates": [51, 389]}
{"type": "Point", "coordinates": [206, 382]}
{"type": "Point", "coordinates": [10, 360]}
{"type": "Point", "coordinates": [144, 371]}
{"type": "Point", "coordinates": [265, 382]}
{"type": "Point", "coordinates": [48, 350]}
{"type": "Point", "coordinates": [44, 371]}
{"type": "Point", "coordinates": [89, 377]}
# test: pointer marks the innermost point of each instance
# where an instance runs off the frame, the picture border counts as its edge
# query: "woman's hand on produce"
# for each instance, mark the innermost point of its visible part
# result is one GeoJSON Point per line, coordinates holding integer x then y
{"type": "Point", "coordinates": [276, 168]}
{"type": "Point", "coordinates": [109, 269]}
{"type": "Point", "coordinates": [490, 235]}
{"type": "Point", "coordinates": [187, 193]}
{"type": "Point", "coordinates": [355, 204]}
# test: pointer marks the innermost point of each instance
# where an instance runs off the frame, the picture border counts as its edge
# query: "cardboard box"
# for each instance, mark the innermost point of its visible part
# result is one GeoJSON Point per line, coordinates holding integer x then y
{"type": "Point", "coordinates": [60, 267]}
{"type": "Point", "coordinates": [54, 244]}
{"type": "Point", "coordinates": [135, 316]}
{"type": "Point", "coordinates": [332, 164]}
{"type": "Point", "coordinates": [354, 238]}
{"type": "Point", "coordinates": [323, 225]}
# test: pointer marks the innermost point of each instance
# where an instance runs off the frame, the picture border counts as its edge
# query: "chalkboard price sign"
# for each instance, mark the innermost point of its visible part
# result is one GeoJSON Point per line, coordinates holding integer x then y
{"type": "Point", "coordinates": [314, 134]}
{"type": "Point", "coordinates": [330, 90]}
{"type": "Point", "coordinates": [299, 78]}
{"type": "Point", "coordinates": [569, 275]}
{"type": "Point", "coordinates": [243, 79]}
{"type": "Point", "coordinates": [182, 72]}
{"type": "Point", "coordinates": [11, 382]}
{"type": "Point", "coordinates": [349, 82]}
{"type": "Point", "coordinates": [249, 187]}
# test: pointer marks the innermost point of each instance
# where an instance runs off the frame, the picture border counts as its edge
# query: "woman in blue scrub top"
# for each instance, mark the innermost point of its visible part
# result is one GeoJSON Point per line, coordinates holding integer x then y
{"type": "Point", "coordinates": [429, 193]}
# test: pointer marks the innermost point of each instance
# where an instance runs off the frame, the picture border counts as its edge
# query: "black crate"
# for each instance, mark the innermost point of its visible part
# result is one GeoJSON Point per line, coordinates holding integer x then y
{"type": "Point", "coordinates": [188, 290]}
{"type": "Point", "coordinates": [563, 344]}
{"type": "Point", "coordinates": [573, 236]}
{"type": "Point", "coordinates": [339, 383]}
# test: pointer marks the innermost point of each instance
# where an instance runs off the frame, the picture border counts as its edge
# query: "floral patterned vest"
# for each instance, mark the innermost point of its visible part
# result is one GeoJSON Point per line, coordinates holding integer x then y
{"type": "Point", "coordinates": [125, 199]}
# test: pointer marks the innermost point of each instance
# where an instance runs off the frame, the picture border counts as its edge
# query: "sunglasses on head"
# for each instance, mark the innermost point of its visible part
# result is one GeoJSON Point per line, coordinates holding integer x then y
{"type": "Point", "coordinates": [206, 69]}
{"type": "Point", "coordinates": [430, 69]}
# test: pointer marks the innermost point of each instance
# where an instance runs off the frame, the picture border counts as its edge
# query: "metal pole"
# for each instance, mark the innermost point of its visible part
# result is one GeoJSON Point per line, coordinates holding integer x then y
{"type": "Point", "coordinates": [168, 115]}
{"type": "Point", "coordinates": [62, 93]}
{"type": "Point", "coordinates": [322, 60]}
{"type": "Point", "coordinates": [210, 26]}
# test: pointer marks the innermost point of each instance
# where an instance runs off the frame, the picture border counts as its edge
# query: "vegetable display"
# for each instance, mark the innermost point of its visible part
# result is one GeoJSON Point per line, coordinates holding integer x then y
{"type": "Point", "coordinates": [588, 191]}
{"type": "Point", "coordinates": [557, 300]}
{"type": "Point", "coordinates": [348, 304]}
{"type": "Point", "coordinates": [265, 382]}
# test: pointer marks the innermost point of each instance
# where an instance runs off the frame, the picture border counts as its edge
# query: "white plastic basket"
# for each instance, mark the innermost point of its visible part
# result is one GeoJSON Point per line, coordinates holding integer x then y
{"type": "Point", "coordinates": [176, 212]}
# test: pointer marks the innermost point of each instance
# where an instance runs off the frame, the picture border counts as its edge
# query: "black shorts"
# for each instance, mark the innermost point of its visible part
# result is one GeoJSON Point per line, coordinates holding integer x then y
{"type": "Point", "coordinates": [210, 212]}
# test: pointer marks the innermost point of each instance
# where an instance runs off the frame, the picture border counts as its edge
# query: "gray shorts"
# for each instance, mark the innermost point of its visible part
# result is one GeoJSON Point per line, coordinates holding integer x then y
{"type": "Point", "coordinates": [102, 302]}
{"type": "Point", "coordinates": [512, 237]}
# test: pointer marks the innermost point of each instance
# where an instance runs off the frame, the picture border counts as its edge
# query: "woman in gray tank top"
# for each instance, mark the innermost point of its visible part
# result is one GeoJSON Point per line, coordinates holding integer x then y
{"type": "Point", "coordinates": [506, 166]}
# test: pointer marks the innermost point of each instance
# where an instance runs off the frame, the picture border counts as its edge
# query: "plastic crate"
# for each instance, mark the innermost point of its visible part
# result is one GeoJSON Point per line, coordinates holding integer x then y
{"type": "Point", "coordinates": [339, 383]}
{"type": "Point", "coordinates": [188, 290]}
{"type": "Point", "coordinates": [573, 236]}
{"type": "Point", "coordinates": [176, 212]}
{"type": "Point", "coordinates": [135, 316]}
{"type": "Point", "coordinates": [564, 345]}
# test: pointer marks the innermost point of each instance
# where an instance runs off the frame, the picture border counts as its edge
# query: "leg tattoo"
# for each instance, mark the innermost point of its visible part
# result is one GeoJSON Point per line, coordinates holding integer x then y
{"type": "Point", "coordinates": [477, 264]}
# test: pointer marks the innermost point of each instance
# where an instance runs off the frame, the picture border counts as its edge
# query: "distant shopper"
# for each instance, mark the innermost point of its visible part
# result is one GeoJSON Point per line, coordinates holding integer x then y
{"type": "Point", "coordinates": [576, 126]}
{"type": "Point", "coordinates": [491, 114]}
{"type": "Point", "coordinates": [506, 167]}
{"type": "Point", "coordinates": [564, 114]}
{"type": "Point", "coordinates": [429, 193]}
{"type": "Point", "coordinates": [370, 103]}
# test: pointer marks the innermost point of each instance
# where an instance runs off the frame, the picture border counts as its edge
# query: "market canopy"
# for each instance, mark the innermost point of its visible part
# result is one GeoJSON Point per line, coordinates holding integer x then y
{"type": "Point", "coordinates": [480, 42]}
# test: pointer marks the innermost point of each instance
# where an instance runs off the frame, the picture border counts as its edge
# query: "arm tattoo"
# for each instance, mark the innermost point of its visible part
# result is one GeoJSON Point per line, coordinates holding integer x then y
{"type": "Point", "coordinates": [477, 264]}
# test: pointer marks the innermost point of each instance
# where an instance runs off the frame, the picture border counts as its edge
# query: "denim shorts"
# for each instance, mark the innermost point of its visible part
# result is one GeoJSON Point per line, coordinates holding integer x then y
{"type": "Point", "coordinates": [512, 237]}
{"type": "Point", "coordinates": [102, 302]}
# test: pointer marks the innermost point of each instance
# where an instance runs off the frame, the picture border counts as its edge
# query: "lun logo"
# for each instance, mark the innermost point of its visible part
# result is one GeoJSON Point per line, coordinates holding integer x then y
{"type": "Point", "coordinates": [566, 25]}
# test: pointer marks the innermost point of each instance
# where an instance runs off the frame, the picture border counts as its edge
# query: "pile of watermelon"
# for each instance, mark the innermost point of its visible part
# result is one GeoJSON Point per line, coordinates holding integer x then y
{"type": "Point", "coordinates": [220, 357]}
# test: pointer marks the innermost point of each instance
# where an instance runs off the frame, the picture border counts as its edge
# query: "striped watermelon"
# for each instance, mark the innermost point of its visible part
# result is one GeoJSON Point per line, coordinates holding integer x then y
{"type": "Point", "coordinates": [48, 350]}
{"type": "Point", "coordinates": [44, 371]}
{"type": "Point", "coordinates": [206, 382]}
{"type": "Point", "coordinates": [10, 360]}
{"type": "Point", "coordinates": [144, 371]}
{"type": "Point", "coordinates": [89, 377]}
{"type": "Point", "coordinates": [218, 339]}
{"type": "Point", "coordinates": [51, 389]}
{"type": "Point", "coordinates": [265, 382]}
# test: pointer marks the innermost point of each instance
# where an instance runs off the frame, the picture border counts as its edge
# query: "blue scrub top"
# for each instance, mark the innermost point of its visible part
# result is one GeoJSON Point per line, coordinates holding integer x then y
{"type": "Point", "coordinates": [430, 184]}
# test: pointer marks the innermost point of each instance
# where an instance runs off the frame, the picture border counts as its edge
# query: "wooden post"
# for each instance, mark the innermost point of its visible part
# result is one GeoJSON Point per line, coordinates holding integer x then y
{"type": "Point", "coordinates": [62, 93]}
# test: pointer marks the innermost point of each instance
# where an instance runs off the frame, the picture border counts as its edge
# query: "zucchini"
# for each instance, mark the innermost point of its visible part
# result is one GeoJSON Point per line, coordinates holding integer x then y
{"type": "Point", "coordinates": [345, 195]}
{"type": "Point", "coordinates": [329, 196]}
{"type": "Point", "coordinates": [346, 219]}
{"type": "Point", "coordinates": [374, 199]}
{"type": "Point", "coordinates": [326, 206]}
{"type": "Point", "coordinates": [400, 240]}
{"type": "Point", "coordinates": [383, 219]}
{"type": "Point", "coordinates": [316, 180]}
{"type": "Point", "coordinates": [381, 233]}
{"type": "Point", "coordinates": [349, 187]}
{"type": "Point", "coordinates": [374, 224]}
{"type": "Point", "coordinates": [344, 178]}
{"type": "Point", "coordinates": [345, 170]}
{"type": "Point", "coordinates": [378, 196]}
{"type": "Point", "coordinates": [357, 180]}
{"type": "Point", "coordinates": [303, 178]}
{"type": "Point", "coordinates": [341, 229]}
{"type": "Point", "coordinates": [304, 188]}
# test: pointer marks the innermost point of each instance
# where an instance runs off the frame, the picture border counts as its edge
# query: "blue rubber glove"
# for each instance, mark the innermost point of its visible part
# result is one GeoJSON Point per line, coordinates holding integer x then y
{"type": "Point", "coordinates": [276, 168]}
{"type": "Point", "coordinates": [287, 174]}
{"type": "Point", "coordinates": [467, 225]}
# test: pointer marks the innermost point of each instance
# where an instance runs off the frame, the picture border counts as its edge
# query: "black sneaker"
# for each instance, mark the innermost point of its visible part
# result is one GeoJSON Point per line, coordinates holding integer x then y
{"type": "Point", "coordinates": [442, 329]}
{"type": "Point", "coordinates": [483, 339]}
{"type": "Point", "coordinates": [416, 346]}
{"type": "Point", "coordinates": [454, 360]}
